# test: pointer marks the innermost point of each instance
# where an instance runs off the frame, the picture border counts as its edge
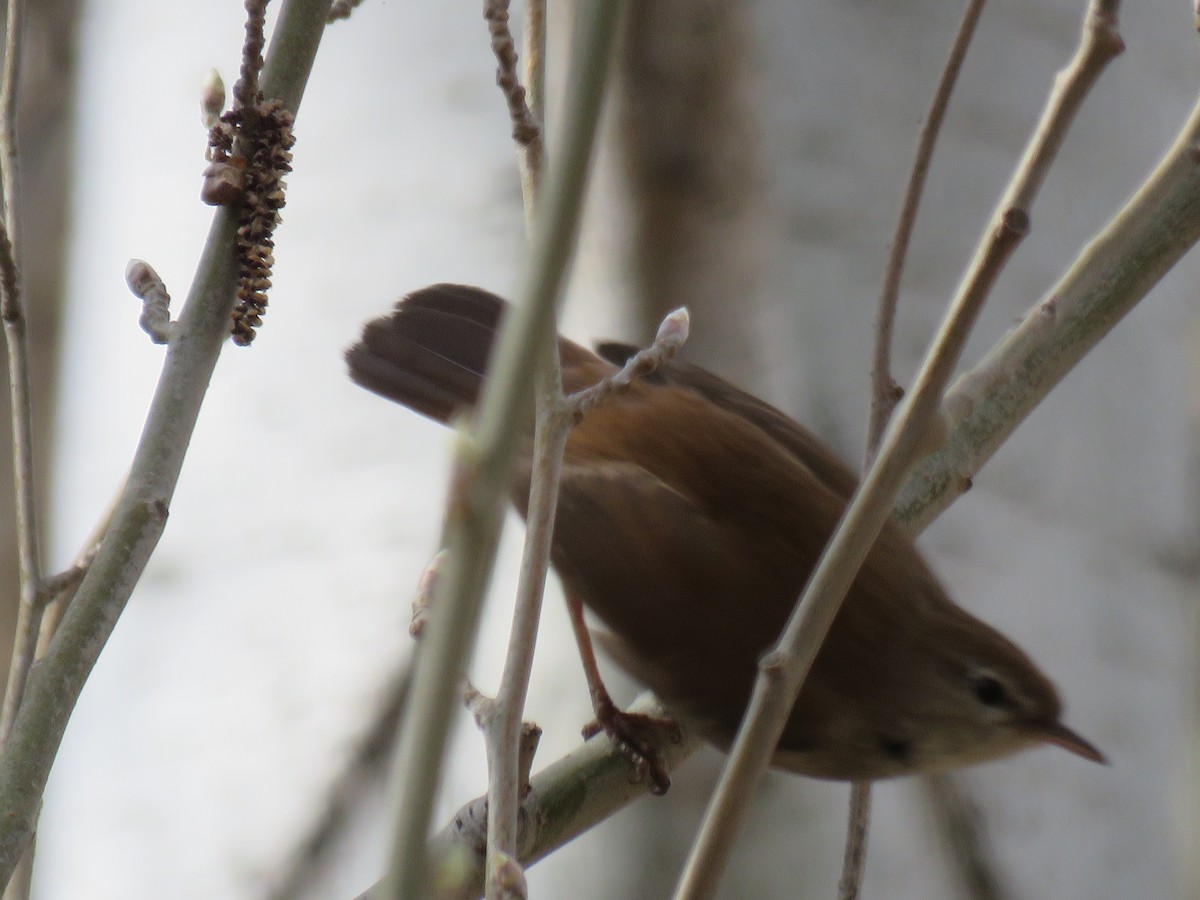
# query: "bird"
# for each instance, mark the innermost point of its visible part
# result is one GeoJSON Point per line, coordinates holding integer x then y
{"type": "Point", "coordinates": [690, 515]}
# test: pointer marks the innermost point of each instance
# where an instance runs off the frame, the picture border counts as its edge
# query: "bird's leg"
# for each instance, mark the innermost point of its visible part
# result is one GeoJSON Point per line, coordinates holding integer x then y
{"type": "Point", "coordinates": [625, 729]}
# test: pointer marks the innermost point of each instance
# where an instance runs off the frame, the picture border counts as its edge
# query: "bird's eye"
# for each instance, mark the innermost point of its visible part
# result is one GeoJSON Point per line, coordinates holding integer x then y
{"type": "Point", "coordinates": [988, 690]}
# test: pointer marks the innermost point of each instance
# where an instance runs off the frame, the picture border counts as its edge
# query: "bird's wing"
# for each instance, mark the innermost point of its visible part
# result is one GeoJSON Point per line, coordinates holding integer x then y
{"type": "Point", "coordinates": [785, 431]}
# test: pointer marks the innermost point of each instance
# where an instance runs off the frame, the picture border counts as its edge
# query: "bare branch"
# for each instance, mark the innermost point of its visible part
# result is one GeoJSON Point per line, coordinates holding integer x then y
{"type": "Point", "coordinates": [504, 727]}
{"type": "Point", "coordinates": [672, 334]}
{"type": "Point", "coordinates": [961, 827]}
{"type": "Point", "coordinates": [533, 155]}
{"type": "Point", "coordinates": [885, 392]}
{"type": "Point", "coordinates": [245, 89]}
{"type": "Point", "coordinates": [527, 124]}
{"type": "Point", "coordinates": [55, 594]}
{"type": "Point", "coordinates": [59, 590]}
{"type": "Point", "coordinates": [67, 580]}
{"type": "Point", "coordinates": [54, 686]}
{"type": "Point", "coordinates": [1100, 43]}
{"type": "Point", "coordinates": [855, 856]}
{"type": "Point", "coordinates": [564, 800]}
{"type": "Point", "coordinates": [1156, 227]}
{"type": "Point", "coordinates": [9, 90]}
{"type": "Point", "coordinates": [502, 719]}
{"type": "Point", "coordinates": [509, 750]}
{"type": "Point", "coordinates": [29, 611]}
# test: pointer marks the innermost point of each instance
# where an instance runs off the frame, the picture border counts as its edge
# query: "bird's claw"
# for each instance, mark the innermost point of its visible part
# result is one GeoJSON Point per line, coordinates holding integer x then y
{"type": "Point", "coordinates": [628, 731]}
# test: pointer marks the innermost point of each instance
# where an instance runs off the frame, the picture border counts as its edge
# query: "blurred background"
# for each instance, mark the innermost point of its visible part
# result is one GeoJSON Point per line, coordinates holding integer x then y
{"type": "Point", "coordinates": [754, 157]}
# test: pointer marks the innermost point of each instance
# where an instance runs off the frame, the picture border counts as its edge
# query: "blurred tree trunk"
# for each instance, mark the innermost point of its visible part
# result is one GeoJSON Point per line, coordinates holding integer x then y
{"type": "Point", "coordinates": [690, 147]}
{"type": "Point", "coordinates": [690, 140]}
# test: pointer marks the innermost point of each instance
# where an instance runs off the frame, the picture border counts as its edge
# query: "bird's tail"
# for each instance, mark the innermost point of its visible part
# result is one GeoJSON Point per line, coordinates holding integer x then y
{"type": "Point", "coordinates": [431, 352]}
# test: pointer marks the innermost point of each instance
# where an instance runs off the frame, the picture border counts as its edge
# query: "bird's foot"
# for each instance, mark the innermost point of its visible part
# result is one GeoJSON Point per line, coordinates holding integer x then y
{"type": "Point", "coordinates": [629, 732]}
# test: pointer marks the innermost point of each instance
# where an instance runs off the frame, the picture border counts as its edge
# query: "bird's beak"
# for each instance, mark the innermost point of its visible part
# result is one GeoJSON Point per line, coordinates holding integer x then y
{"type": "Point", "coordinates": [1061, 736]}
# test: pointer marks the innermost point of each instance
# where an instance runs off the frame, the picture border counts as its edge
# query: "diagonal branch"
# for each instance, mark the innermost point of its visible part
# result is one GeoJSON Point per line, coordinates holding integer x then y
{"type": "Point", "coordinates": [783, 670]}
{"type": "Point", "coordinates": [54, 687]}
{"type": "Point", "coordinates": [885, 392]}
{"type": "Point", "coordinates": [29, 612]}
{"type": "Point", "coordinates": [565, 799]}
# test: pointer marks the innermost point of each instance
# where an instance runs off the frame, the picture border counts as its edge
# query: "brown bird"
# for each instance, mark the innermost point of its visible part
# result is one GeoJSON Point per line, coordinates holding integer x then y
{"type": "Point", "coordinates": [690, 516]}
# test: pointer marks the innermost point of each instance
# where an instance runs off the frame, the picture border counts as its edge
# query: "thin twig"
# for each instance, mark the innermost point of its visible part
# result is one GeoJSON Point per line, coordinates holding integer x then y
{"type": "Point", "coordinates": [526, 117]}
{"type": "Point", "coordinates": [1100, 43]}
{"type": "Point", "coordinates": [58, 591]}
{"type": "Point", "coordinates": [533, 156]}
{"type": "Point", "coordinates": [672, 333]}
{"type": "Point", "coordinates": [534, 48]}
{"type": "Point", "coordinates": [1005, 376]}
{"type": "Point", "coordinates": [502, 720]}
{"type": "Point", "coordinates": [857, 829]}
{"type": "Point", "coordinates": [505, 723]}
{"type": "Point", "coordinates": [854, 855]}
{"type": "Point", "coordinates": [13, 314]}
{"type": "Point", "coordinates": [20, 885]}
{"type": "Point", "coordinates": [67, 580]}
{"type": "Point", "coordinates": [29, 610]}
{"type": "Point", "coordinates": [488, 454]}
{"type": "Point", "coordinates": [885, 392]}
{"type": "Point", "coordinates": [54, 686]}
{"type": "Point", "coordinates": [960, 824]}
{"type": "Point", "coordinates": [9, 100]}
{"type": "Point", "coordinates": [245, 90]}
